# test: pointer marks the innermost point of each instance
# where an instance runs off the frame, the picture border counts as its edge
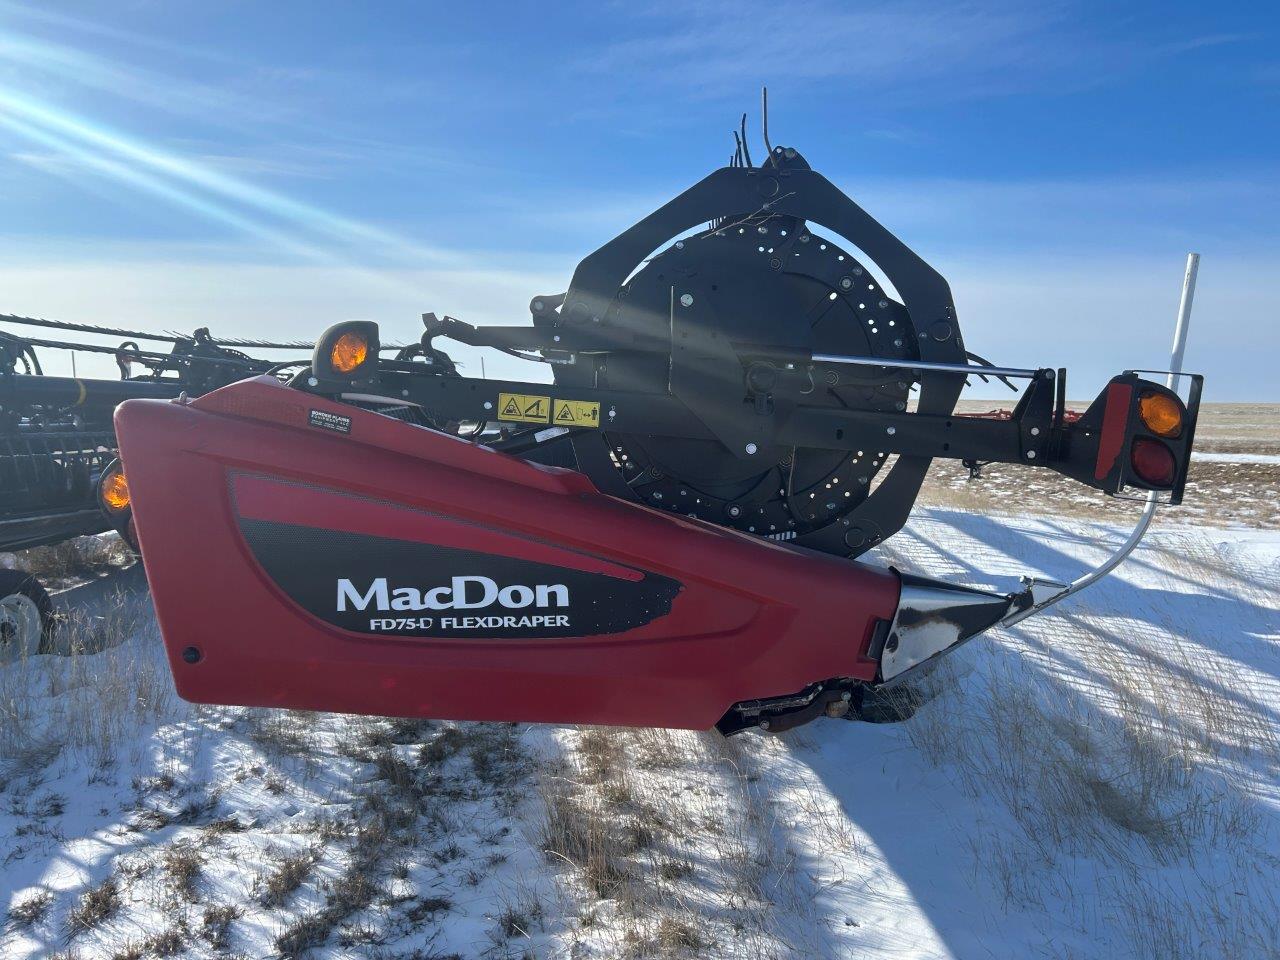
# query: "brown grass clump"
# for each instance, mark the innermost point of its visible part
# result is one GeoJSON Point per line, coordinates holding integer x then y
{"type": "Point", "coordinates": [215, 927]}
{"type": "Point", "coordinates": [678, 936]}
{"type": "Point", "coordinates": [671, 843]}
{"type": "Point", "coordinates": [575, 833]}
{"type": "Point", "coordinates": [96, 905]}
{"type": "Point", "coordinates": [289, 873]}
{"type": "Point", "coordinates": [30, 909]}
{"type": "Point", "coordinates": [183, 862]}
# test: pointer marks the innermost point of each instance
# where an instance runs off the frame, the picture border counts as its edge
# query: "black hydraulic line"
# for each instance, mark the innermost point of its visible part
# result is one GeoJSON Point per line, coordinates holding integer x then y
{"type": "Point", "coordinates": [147, 357]}
{"type": "Point", "coordinates": [764, 123]}
{"type": "Point", "coordinates": [746, 151]}
{"type": "Point", "coordinates": [527, 440]}
{"type": "Point", "coordinates": [987, 363]}
{"type": "Point", "coordinates": [16, 350]}
{"type": "Point", "coordinates": [287, 365]}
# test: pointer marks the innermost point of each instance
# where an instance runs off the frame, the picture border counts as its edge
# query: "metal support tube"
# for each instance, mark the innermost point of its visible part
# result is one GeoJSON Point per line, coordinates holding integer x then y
{"type": "Point", "coordinates": [925, 366]}
{"type": "Point", "coordinates": [1149, 510]}
{"type": "Point", "coordinates": [1184, 319]}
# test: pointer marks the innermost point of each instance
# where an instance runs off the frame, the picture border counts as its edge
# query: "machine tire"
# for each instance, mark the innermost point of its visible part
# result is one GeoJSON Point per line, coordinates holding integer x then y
{"type": "Point", "coordinates": [26, 616]}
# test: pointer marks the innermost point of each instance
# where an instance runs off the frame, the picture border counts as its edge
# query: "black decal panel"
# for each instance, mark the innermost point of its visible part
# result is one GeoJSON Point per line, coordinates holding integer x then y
{"type": "Point", "coordinates": [391, 587]}
{"type": "Point", "coordinates": [329, 421]}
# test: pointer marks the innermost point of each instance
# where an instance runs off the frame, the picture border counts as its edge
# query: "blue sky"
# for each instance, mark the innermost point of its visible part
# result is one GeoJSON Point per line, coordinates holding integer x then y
{"type": "Point", "coordinates": [272, 168]}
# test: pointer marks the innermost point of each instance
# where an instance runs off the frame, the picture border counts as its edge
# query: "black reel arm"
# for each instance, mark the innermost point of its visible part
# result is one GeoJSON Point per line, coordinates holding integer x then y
{"type": "Point", "coordinates": [1036, 434]}
{"type": "Point", "coordinates": [754, 373]}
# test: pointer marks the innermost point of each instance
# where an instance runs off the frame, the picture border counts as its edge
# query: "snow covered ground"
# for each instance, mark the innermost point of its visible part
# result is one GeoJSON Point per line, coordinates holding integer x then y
{"type": "Point", "coordinates": [1097, 782]}
{"type": "Point", "coordinates": [1236, 457]}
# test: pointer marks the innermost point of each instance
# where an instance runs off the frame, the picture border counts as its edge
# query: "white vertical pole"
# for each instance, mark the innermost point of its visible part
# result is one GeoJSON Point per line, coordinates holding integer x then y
{"type": "Point", "coordinates": [1184, 320]}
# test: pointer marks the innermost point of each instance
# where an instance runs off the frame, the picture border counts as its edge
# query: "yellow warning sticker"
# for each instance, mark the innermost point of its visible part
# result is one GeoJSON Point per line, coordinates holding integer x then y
{"type": "Point", "coordinates": [524, 408]}
{"type": "Point", "coordinates": [576, 413]}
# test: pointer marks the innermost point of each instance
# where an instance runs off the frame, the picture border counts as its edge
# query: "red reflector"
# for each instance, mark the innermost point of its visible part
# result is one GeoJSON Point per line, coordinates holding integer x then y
{"type": "Point", "coordinates": [1153, 462]}
{"type": "Point", "coordinates": [1114, 419]}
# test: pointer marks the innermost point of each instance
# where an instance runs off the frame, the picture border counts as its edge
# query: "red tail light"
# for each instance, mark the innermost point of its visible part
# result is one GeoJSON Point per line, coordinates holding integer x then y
{"type": "Point", "coordinates": [1153, 462]}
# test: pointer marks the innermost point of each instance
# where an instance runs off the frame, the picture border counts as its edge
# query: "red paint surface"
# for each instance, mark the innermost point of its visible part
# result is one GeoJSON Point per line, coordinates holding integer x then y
{"type": "Point", "coordinates": [755, 618]}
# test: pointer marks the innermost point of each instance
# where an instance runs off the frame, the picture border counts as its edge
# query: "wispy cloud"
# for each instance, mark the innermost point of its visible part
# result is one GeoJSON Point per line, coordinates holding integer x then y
{"type": "Point", "coordinates": [43, 15]}
{"type": "Point", "coordinates": [242, 96]}
{"type": "Point", "coordinates": [241, 165]}
{"type": "Point", "coordinates": [27, 63]}
{"type": "Point", "coordinates": [888, 50]}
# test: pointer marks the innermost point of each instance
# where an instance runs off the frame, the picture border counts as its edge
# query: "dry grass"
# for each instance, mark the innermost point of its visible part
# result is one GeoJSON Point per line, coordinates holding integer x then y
{"type": "Point", "coordinates": [96, 905]}
{"type": "Point", "coordinates": [30, 909]}
{"type": "Point", "coordinates": [1126, 755]}
{"type": "Point", "coordinates": [520, 916]}
{"type": "Point", "coordinates": [183, 862]}
{"type": "Point", "coordinates": [675, 937]}
{"type": "Point", "coordinates": [401, 807]}
{"type": "Point", "coordinates": [353, 890]}
{"type": "Point", "coordinates": [352, 879]}
{"type": "Point", "coordinates": [90, 702]}
{"type": "Point", "coordinates": [277, 885]}
{"type": "Point", "coordinates": [577, 833]}
{"type": "Point", "coordinates": [1138, 758]}
{"type": "Point", "coordinates": [280, 733]}
{"type": "Point", "coordinates": [448, 743]}
{"type": "Point", "coordinates": [670, 842]}
{"type": "Point", "coordinates": [215, 925]}
{"type": "Point", "coordinates": [167, 943]}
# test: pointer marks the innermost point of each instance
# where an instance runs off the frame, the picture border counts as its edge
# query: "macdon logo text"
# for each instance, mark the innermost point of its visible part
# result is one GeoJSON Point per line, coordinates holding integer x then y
{"type": "Point", "coordinates": [463, 593]}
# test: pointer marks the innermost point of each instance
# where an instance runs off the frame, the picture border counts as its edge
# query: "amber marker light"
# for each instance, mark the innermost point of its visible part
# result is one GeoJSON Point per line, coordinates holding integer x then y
{"type": "Point", "coordinates": [1161, 413]}
{"type": "Point", "coordinates": [348, 352]}
{"type": "Point", "coordinates": [115, 491]}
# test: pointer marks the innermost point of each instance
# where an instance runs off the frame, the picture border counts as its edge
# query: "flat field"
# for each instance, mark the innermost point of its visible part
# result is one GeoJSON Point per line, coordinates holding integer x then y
{"type": "Point", "coordinates": [1234, 479]}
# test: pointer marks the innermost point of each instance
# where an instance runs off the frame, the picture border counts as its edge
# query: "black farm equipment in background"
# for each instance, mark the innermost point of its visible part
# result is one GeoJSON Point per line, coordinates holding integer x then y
{"type": "Point", "coordinates": [57, 440]}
